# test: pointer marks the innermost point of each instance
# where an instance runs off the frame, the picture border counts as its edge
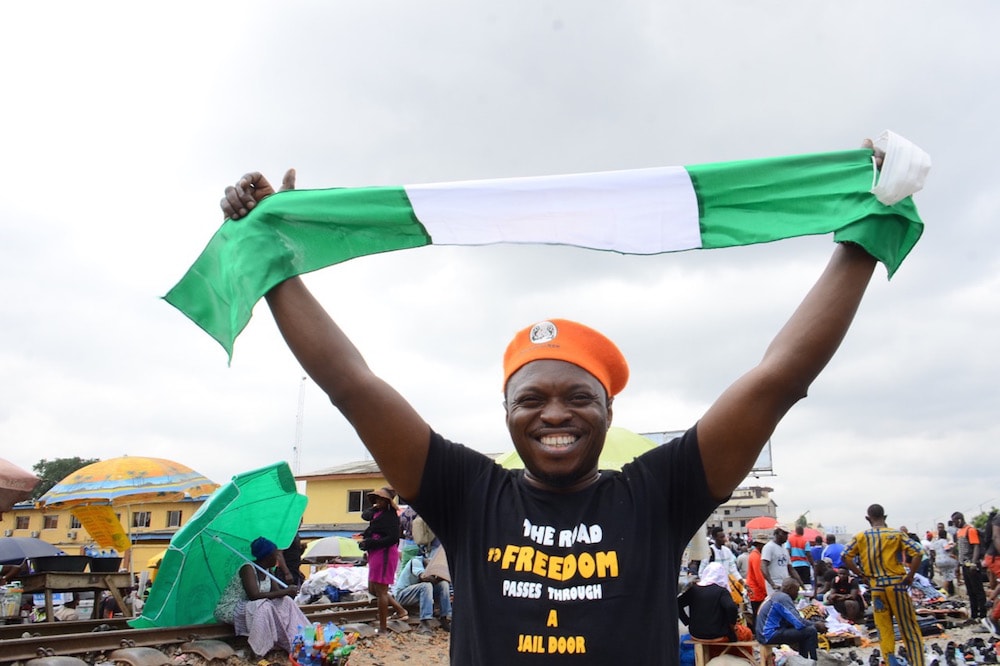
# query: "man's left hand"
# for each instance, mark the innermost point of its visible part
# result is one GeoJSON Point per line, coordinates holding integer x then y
{"type": "Point", "coordinates": [879, 155]}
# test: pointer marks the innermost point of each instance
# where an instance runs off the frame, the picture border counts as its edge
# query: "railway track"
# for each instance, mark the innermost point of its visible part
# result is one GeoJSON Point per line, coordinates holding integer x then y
{"type": "Point", "coordinates": [93, 636]}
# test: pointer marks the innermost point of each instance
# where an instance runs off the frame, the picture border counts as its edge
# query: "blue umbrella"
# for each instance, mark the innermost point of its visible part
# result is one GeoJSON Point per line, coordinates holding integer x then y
{"type": "Point", "coordinates": [14, 550]}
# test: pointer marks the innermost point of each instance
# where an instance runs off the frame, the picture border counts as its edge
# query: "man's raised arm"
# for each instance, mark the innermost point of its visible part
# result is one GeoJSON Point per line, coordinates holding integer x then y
{"type": "Point", "coordinates": [390, 428]}
{"type": "Point", "coordinates": [733, 431]}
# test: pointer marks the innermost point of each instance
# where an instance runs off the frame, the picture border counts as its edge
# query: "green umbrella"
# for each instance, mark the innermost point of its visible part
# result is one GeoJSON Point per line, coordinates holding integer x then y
{"type": "Point", "coordinates": [204, 554]}
{"type": "Point", "coordinates": [620, 446]}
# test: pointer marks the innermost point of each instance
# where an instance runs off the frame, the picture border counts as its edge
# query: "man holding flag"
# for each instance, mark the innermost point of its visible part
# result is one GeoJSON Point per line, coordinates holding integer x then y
{"type": "Point", "coordinates": [562, 558]}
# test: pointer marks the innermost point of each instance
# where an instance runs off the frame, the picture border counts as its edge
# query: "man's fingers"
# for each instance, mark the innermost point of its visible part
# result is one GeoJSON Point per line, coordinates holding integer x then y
{"type": "Point", "coordinates": [233, 206]}
{"type": "Point", "coordinates": [288, 182]}
{"type": "Point", "coordinates": [879, 154]}
{"type": "Point", "coordinates": [241, 198]}
{"type": "Point", "coordinates": [250, 190]}
{"type": "Point", "coordinates": [254, 181]}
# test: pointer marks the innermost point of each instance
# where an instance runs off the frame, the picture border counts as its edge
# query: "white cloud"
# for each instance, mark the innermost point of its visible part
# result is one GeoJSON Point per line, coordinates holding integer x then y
{"type": "Point", "coordinates": [123, 123]}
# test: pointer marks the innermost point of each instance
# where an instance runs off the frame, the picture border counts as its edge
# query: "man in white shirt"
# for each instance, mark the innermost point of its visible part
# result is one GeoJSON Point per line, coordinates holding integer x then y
{"type": "Point", "coordinates": [721, 553]}
{"type": "Point", "coordinates": [775, 561]}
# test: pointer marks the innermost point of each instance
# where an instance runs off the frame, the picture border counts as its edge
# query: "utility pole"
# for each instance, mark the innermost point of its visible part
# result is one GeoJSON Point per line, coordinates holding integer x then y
{"type": "Point", "coordinates": [299, 418]}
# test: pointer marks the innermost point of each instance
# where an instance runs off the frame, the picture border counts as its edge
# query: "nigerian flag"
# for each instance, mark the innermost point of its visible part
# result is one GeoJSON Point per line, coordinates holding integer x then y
{"type": "Point", "coordinates": [645, 211]}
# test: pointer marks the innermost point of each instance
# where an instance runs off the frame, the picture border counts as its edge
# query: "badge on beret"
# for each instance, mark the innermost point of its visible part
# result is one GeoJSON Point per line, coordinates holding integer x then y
{"type": "Point", "coordinates": [543, 331]}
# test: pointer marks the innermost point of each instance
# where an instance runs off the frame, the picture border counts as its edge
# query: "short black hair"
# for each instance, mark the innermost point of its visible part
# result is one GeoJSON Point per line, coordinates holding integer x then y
{"type": "Point", "coordinates": [715, 530]}
{"type": "Point", "coordinates": [876, 511]}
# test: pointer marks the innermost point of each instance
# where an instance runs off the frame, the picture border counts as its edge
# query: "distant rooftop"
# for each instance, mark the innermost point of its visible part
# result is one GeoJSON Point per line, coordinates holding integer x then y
{"type": "Point", "coordinates": [356, 468]}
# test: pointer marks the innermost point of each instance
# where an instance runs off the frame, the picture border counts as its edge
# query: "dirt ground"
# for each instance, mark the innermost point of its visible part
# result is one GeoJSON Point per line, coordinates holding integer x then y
{"type": "Point", "coordinates": [411, 649]}
{"type": "Point", "coordinates": [416, 649]}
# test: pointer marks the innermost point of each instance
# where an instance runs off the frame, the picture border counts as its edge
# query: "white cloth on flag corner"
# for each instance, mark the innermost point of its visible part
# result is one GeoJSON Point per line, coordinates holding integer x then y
{"type": "Point", "coordinates": [904, 169]}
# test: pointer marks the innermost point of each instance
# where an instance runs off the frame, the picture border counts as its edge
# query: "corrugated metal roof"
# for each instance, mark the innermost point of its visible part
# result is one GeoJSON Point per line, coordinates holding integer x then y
{"type": "Point", "coordinates": [356, 467]}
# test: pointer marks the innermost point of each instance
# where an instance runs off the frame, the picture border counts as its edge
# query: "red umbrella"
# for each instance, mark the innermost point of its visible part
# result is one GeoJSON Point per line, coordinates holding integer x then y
{"type": "Point", "coordinates": [810, 534]}
{"type": "Point", "coordinates": [16, 485]}
{"type": "Point", "coordinates": [761, 523]}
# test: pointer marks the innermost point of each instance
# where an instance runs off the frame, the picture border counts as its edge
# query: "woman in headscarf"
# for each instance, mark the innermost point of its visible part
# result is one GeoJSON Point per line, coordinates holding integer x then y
{"type": "Point", "coordinates": [381, 541]}
{"type": "Point", "coordinates": [707, 608]}
{"type": "Point", "coordinates": [258, 607]}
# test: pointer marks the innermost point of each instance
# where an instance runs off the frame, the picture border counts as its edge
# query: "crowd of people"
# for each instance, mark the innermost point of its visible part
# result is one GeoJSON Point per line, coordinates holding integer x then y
{"type": "Point", "coordinates": [878, 577]}
{"type": "Point", "coordinates": [406, 567]}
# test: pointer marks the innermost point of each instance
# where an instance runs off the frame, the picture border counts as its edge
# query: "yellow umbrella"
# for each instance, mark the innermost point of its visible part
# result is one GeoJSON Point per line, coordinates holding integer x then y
{"type": "Point", "coordinates": [127, 480]}
{"type": "Point", "coordinates": [93, 490]}
{"type": "Point", "coordinates": [154, 564]}
{"type": "Point", "coordinates": [155, 560]}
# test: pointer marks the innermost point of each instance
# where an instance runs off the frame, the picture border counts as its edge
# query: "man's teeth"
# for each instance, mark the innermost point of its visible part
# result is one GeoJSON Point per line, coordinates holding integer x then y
{"type": "Point", "coordinates": [557, 440]}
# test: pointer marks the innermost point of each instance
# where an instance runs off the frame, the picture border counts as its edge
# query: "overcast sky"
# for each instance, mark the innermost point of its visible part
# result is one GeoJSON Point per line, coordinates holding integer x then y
{"type": "Point", "coordinates": [121, 124]}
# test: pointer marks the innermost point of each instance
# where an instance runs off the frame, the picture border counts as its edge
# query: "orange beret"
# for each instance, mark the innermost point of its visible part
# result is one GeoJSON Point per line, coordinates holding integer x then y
{"type": "Point", "coordinates": [565, 340]}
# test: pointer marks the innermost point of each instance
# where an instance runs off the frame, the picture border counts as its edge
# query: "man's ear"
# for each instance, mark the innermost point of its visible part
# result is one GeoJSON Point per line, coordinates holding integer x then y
{"type": "Point", "coordinates": [611, 401]}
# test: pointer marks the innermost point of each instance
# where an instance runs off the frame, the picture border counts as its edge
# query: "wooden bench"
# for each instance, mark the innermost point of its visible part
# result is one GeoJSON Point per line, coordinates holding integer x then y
{"type": "Point", "coordinates": [752, 651]}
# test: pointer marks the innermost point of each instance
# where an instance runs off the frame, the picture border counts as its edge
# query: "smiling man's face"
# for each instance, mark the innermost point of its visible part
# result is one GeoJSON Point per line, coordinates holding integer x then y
{"type": "Point", "coordinates": [558, 415]}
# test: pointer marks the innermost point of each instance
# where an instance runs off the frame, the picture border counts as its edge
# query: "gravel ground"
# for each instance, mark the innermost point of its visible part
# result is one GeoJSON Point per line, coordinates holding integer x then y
{"type": "Point", "coordinates": [412, 649]}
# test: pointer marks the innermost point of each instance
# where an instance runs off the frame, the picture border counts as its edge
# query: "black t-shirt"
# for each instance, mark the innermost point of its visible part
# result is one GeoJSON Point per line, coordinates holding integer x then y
{"type": "Point", "coordinates": [588, 577]}
{"type": "Point", "coordinates": [843, 584]}
{"type": "Point", "coordinates": [712, 611]}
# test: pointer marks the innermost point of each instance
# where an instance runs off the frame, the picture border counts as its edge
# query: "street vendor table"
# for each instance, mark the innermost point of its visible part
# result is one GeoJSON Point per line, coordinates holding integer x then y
{"type": "Point", "coordinates": [50, 582]}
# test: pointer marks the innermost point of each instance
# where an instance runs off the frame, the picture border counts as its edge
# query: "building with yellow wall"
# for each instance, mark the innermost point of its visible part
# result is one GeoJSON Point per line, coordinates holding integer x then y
{"type": "Point", "coordinates": [150, 527]}
{"type": "Point", "coordinates": [337, 496]}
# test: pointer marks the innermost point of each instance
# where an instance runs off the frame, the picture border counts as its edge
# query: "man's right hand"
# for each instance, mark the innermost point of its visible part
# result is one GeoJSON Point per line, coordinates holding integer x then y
{"type": "Point", "coordinates": [250, 190]}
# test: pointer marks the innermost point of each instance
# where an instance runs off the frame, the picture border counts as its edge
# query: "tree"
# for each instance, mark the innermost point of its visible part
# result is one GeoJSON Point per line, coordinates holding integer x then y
{"type": "Point", "coordinates": [981, 519]}
{"type": "Point", "coordinates": [53, 471]}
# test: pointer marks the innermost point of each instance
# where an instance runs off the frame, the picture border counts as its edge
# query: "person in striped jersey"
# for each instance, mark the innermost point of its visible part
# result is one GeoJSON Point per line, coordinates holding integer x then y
{"type": "Point", "coordinates": [876, 555]}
